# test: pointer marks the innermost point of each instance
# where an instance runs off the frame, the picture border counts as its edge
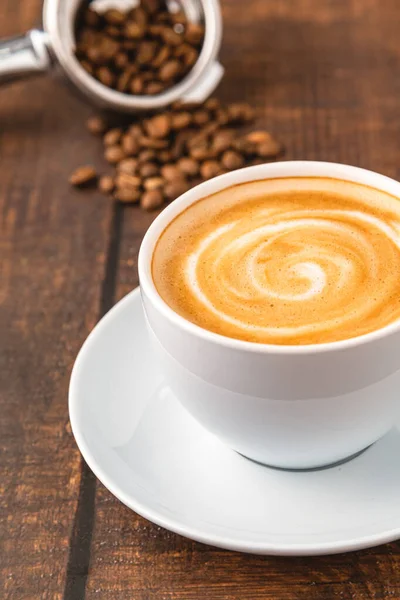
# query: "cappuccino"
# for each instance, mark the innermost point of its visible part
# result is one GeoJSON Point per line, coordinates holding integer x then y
{"type": "Point", "coordinates": [291, 261]}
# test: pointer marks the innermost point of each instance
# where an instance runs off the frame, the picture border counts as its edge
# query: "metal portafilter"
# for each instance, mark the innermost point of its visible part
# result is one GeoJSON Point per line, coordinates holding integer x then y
{"type": "Point", "coordinates": [54, 47]}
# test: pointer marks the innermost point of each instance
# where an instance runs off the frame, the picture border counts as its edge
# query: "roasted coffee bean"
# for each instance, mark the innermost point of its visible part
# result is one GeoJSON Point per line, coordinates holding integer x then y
{"type": "Point", "coordinates": [106, 184]}
{"type": "Point", "coordinates": [240, 113]}
{"type": "Point", "coordinates": [128, 165]}
{"type": "Point", "coordinates": [137, 85]}
{"type": "Point", "coordinates": [121, 60]}
{"type": "Point", "coordinates": [114, 154]}
{"type": "Point", "coordinates": [114, 16]}
{"type": "Point", "coordinates": [126, 180]}
{"type": "Point", "coordinates": [133, 30]}
{"type": "Point", "coordinates": [149, 169]}
{"type": "Point", "coordinates": [149, 142]}
{"type": "Point", "coordinates": [201, 117]}
{"type": "Point", "coordinates": [170, 37]}
{"type": "Point", "coordinates": [153, 183]}
{"type": "Point", "coordinates": [181, 120]}
{"type": "Point", "coordinates": [112, 136]}
{"type": "Point", "coordinates": [171, 172]}
{"type": "Point", "coordinates": [83, 176]}
{"type": "Point", "coordinates": [257, 137]}
{"type": "Point", "coordinates": [269, 148]}
{"type": "Point", "coordinates": [130, 145]}
{"type": "Point", "coordinates": [176, 188]}
{"type": "Point", "coordinates": [159, 126]}
{"type": "Point", "coordinates": [169, 70]}
{"type": "Point", "coordinates": [161, 57]}
{"type": "Point", "coordinates": [194, 33]}
{"type": "Point", "coordinates": [106, 76]}
{"type": "Point", "coordinates": [188, 166]}
{"type": "Point", "coordinates": [146, 156]}
{"type": "Point", "coordinates": [232, 160]}
{"type": "Point", "coordinates": [152, 199]}
{"type": "Point", "coordinates": [128, 195]}
{"type": "Point", "coordinates": [96, 125]}
{"type": "Point", "coordinates": [209, 169]}
{"type": "Point", "coordinates": [200, 152]}
{"type": "Point", "coordinates": [92, 18]}
{"type": "Point", "coordinates": [154, 87]}
{"type": "Point", "coordinates": [222, 140]}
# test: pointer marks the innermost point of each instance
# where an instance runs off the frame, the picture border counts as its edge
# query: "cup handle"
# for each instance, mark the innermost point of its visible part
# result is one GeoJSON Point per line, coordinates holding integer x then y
{"type": "Point", "coordinates": [24, 56]}
{"type": "Point", "coordinates": [206, 84]}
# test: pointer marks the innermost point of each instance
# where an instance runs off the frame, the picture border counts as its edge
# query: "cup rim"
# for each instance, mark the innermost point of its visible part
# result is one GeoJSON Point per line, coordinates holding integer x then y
{"type": "Point", "coordinates": [274, 170]}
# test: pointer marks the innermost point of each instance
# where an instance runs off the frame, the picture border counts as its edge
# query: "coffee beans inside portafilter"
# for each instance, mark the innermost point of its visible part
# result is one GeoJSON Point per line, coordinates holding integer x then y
{"type": "Point", "coordinates": [158, 158]}
{"type": "Point", "coordinates": [143, 51]}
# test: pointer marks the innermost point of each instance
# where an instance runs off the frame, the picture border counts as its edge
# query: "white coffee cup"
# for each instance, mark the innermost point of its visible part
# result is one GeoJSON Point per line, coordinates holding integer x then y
{"type": "Point", "coordinates": [292, 407]}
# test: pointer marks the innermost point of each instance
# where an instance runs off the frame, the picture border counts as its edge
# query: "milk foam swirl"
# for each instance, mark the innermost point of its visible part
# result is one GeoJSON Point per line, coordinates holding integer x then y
{"type": "Point", "coordinates": [284, 269]}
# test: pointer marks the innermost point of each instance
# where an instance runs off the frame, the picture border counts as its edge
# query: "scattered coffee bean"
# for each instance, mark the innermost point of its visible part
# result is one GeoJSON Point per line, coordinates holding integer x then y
{"type": "Point", "coordinates": [152, 199]}
{"type": "Point", "coordinates": [153, 183]}
{"type": "Point", "coordinates": [114, 154]}
{"type": "Point", "coordinates": [232, 160]}
{"type": "Point", "coordinates": [127, 165]}
{"type": "Point", "coordinates": [159, 157]}
{"type": "Point", "coordinates": [148, 169]}
{"type": "Point", "coordinates": [106, 184]}
{"type": "Point", "coordinates": [209, 169]}
{"type": "Point", "coordinates": [112, 137]}
{"type": "Point", "coordinates": [83, 176]}
{"type": "Point", "coordinates": [127, 195]}
{"type": "Point", "coordinates": [96, 125]}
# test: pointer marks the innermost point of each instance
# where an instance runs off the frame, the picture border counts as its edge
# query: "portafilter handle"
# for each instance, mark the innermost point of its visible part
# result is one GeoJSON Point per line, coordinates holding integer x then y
{"type": "Point", "coordinates": [24, 56]}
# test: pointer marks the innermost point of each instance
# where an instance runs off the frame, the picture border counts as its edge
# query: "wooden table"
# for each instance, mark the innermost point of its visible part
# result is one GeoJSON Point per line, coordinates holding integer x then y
{"type": "Point", "coordinates": [325, 76]}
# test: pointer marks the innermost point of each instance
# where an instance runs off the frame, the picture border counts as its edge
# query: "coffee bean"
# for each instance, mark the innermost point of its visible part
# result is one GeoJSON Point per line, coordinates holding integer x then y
{"type": "Point", "coordinates": [240, 113]}
{"type": "Point", "coordinates": [121, 60]}
{"type": "Point", "coordinates": [112, 136]}
{"type": "Point", "coordinates": [114, 154]}
{"type": "Point", "coordinates": [154, 87]}
{"type": "Point", "coordinates": [153, 183]}
{"type": "Point", "coordinates": [171, 172]}
{"type": "Point", "coordinates": [128, 165]}
{"type": "Point", "coordinates": [134, 30]}
{"type": "Point", "coordinates": [106, 184]}
{"type": "Point", "coordinates": [146, 156]}
{"type": "Point", "coordinates": [152, 199]}
{"type": "Point", "coordinates": [269, 148]}
{"type": "Point", "coordinates": [169, 70]}
{"type": "Point", "coordinates": [92, 18]}
{"type": "Point", "coordinates": [201, 117]}
{"type": "Point", "coordinates": [159, 126]}
{"type": "Point", "coordinates": [160, 58]}
{"type": "Point", "coordinates": [114, 16]}
{"type": "Point", "coordinates": [199, 152]}
{"type": "Point", "coordinates": [165, 156]}
{"type": "Point", "coordinates": [83, 176]}
{"type": "Point", "coordinates": [209, 169]}
{"type": "Point", "coordinates": [212, 104]}
{"type": "Point", "coordinates": [181, 120]}
{"type": "Point", "coordinates": [136, 85]}
{"type": "Point", "coordinates": [222, 140]}
{"type": "Point", "coordinates": [257, 137]}
{"type": "Point", "coordinates": [170, 37]}
{"type": "Point", "coordinates": [130, 145]}
{"type": "Point", "coordinates": [148, 169]}
{"type": "Point", "coordinates": [232, 160]}
{"type": "Point", "coordinates": [105, 76]}
{"type": "Point", "coordinates": [145, 52]}
{"type": "Point", "coordinates": [96, 125]}
{"type": "Point", "coordinates": [87, 66]}
{"type": "Point", "coordinates": [188, 166]}
{"type": "Point", "coordinates": [151, 6]}
{"type": "Point", "coordinates": [123, 81]}
{"type": "Point", "coordinates": [175, 188]}
{"type": "Point", "coordinates": [194, 33]}
{"type": "Point", "coordinates": [128, 195]}
{"type": "Point", "coordinates": [126, 180]}
{"type": "Point", "coordinates": [135, 130]}
{"type": "Point", "coordinates": [149, 142]}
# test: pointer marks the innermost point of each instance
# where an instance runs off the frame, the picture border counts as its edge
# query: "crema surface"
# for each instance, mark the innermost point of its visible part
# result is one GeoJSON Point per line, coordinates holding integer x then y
{"type": "Point", "coordinates": [284, 261]}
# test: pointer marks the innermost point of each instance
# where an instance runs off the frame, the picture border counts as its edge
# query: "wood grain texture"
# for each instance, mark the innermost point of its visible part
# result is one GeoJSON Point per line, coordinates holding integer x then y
{"type": "Point", "coordinates": [325, 79]}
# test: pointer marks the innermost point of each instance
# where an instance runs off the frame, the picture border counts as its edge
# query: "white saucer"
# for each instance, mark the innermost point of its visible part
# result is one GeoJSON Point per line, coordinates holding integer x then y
{"type": "Point", "coordinates": [151, 454]}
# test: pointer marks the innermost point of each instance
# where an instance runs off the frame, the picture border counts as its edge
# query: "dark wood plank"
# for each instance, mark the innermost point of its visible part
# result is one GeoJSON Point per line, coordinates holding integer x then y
{"type": "Point", "coordinates": [324, 76]}
{"type": "Point", "coordinates": [53, 255]}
